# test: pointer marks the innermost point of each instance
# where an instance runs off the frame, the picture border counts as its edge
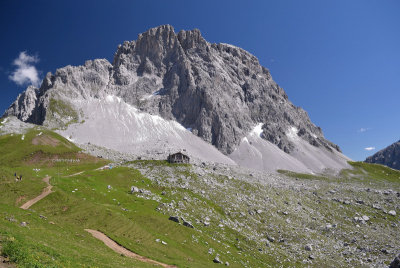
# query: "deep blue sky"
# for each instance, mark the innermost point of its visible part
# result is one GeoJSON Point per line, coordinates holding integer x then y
{"type": "Point", "coordinates": [339, 59]}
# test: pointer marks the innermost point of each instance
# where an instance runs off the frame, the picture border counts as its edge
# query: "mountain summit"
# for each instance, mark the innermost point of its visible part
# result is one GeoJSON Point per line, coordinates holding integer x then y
{"type": "Point", "coordinates": [164, 89]}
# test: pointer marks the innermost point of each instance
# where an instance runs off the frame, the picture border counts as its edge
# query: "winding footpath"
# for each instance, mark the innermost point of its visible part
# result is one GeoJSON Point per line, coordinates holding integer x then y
{"type": "Point", "coordinates": [121, 250]}
{"type": "Point", "coordinates": [46, 192]}
{"type": "Point", "coordinates": [99, 235]}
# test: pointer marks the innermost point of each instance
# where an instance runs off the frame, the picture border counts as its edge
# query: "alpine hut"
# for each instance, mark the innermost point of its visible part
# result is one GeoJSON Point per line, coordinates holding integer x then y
{"type": "Point", "coordinates": [178, 157]}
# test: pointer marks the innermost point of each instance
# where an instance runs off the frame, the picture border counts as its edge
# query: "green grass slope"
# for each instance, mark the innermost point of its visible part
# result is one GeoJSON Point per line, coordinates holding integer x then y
{"type": "Point", "coordinates": [54, 235]}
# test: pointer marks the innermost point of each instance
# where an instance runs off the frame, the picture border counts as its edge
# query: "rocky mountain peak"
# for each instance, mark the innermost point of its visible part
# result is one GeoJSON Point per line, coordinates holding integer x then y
{"type": "Point", "coordinates": [218, 91]}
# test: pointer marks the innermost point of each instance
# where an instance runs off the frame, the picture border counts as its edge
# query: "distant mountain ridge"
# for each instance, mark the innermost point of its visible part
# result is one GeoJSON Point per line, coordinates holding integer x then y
{"type": "Point", "coordinates": [217, 91]}
{"type": "Point", "coordinates": [390, 156]}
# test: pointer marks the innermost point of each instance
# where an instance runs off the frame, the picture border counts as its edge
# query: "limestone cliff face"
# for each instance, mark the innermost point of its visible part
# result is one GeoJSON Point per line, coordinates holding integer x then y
{"type": "Point", "coordinates": [219, 91]}
{"type": "Point", "coordinates": [390, 156]}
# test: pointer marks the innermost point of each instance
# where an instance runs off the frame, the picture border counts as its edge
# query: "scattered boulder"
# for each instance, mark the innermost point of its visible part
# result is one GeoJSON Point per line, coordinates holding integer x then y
{"type": "Point", "coordinates": [11, 219]}
{"type": "Point", "coordinates": [271, 239]}
{"type": "Point", "coordinates": [308, 247]}
{"type": "Point", "coordinates": [23, 224]}
{"type": "Point", "coordinates": [134, 189]}
{"type": "Point", "coordinates": [174, 218]}
{"type": "Point", "coordinates": [376, 206]}
{"type": "Point", "coordinates": [365, 218]}
{"type": "Point", "coordinates": [187, 224]}
{"type": "Point", "coordinates": [392, 212]}
{"type": "Point", "coordinates": [109, 187]}
{"type": "Point", "coordinates": [362, 219]}
{"type": "Point", "coordinates": [217, 260]}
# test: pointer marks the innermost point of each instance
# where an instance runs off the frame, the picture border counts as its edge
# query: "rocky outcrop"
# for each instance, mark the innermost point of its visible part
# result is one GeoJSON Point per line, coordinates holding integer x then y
{"type": "Point", "coordinates": [218, 91]}
{"type": "Point", "coordinates": [390, 156]}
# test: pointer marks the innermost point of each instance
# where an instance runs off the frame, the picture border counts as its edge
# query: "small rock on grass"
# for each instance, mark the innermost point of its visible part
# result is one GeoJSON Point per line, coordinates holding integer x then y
{"type": "Point", "coordinates": [308, 247]}
{"type": "Point", "coordinates": [392, 212]}
{"type": "Point", "coordinates": [187, 224]}
{"type": "Point", "coordinates": [216, 259]}
{"type": "Point", "coordinates": [134, 189]}
{"type": "Point", "coordinates": [174, 218]}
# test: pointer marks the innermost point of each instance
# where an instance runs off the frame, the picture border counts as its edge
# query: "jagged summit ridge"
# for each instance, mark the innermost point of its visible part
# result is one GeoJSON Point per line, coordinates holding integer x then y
{"type": "Point", "coordinates": [218, 91]}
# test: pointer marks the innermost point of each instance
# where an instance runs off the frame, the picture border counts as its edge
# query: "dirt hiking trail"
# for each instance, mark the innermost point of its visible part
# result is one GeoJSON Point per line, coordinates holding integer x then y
{"type": "Point", "coordinates": [46, 192]}
{"type": "Point", "coordinates": [121, 250]}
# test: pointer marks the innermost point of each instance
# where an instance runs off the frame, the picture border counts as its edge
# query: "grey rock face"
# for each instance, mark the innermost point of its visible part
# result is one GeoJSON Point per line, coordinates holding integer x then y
{"type": "Point", "coordinates": [390, 156]}
{"type": "Point", "coordinates": [219, 91]}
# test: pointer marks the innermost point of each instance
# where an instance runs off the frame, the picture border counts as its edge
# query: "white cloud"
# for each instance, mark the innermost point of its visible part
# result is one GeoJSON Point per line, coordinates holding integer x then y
{"type": "Point", "coordinates": [25, 73]}
{"type": "Point", "coordinates": [363, 129]}
{"type": "Point", "coordinates": [369, 148]}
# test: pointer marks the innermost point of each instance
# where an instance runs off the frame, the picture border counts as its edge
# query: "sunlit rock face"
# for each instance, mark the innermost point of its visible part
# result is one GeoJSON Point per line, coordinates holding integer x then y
{"type": "Point", "coordinates": [218, 92]}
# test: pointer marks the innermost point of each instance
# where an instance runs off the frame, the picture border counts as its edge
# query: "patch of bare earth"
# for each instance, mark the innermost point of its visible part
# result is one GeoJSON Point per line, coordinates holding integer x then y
{"type": "Point", "coordinates": [45, 140]}
{"type": "Point", "coordinates": [121, 250]}
{"type": "Point", "coordinates": [4, 263]}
